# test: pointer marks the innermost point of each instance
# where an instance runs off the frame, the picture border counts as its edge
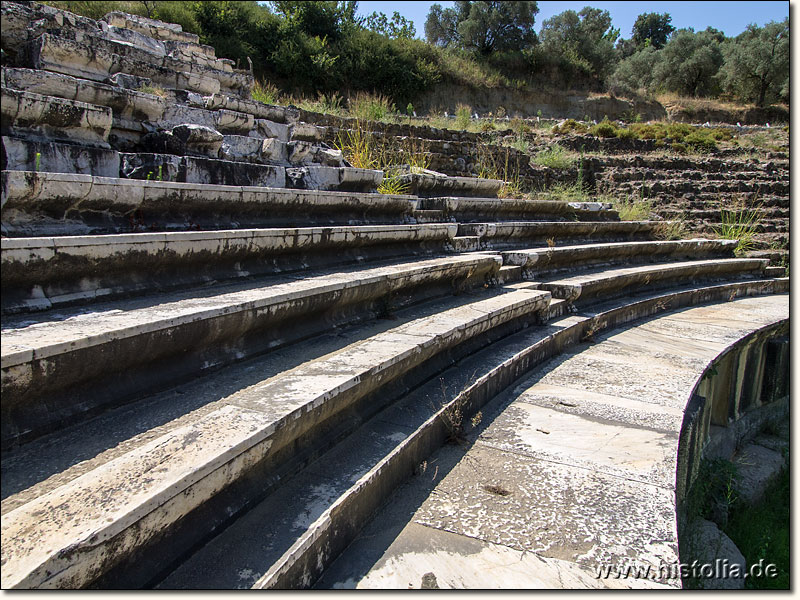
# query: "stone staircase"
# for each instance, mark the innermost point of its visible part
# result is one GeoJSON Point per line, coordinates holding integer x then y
{"type": "Point", "coordinates": [209, 318]}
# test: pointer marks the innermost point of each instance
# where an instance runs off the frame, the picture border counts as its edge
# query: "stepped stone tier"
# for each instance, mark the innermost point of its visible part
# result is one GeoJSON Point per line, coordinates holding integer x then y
{"type": "Point", "coordinates": [227, 361]}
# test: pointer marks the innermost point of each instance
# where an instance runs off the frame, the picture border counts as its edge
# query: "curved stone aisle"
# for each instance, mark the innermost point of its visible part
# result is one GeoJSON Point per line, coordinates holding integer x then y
{"type": "Point", "coordinates": [572, 472]}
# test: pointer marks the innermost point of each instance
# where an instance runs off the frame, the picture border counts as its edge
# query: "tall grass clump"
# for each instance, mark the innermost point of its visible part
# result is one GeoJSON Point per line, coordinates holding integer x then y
{"type": "Point", "coordinates": [739, 223]}
{"type": "Point", "coordinates": [265, 92]}
{"type": "Point", "coordinates": [633, 209]}
{"type": "Point", "coordinates": [463, 116]}
{"type": "Point", "coordinates": [371, 107]}
{"type": "Point", "coordinates": [555, 157]}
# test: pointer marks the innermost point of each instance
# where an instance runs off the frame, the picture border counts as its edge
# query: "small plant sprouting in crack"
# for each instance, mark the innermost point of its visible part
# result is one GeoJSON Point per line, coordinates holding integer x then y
{"type": "Point", "coordinates": [551, 242]}
{"type": "Point", "coordinates": [497, 489]}
{"type": "Point", "coordinates": [38, 164]}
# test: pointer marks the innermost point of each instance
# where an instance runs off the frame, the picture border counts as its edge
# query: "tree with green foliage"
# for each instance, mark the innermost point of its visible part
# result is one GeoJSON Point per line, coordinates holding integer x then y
{"type": "Point", "coordinates": [484, 27]}
{"type": "Point", "coordinates": [319, 18]}
{"type": "Point", "coordinates": [585, 38]}
{"type": "Point", "coordinates": [757, 63]}
{"type": "Point", "coordinates": [634, 73]}
{"type": "Point", "coordinates": [689, 63]}
{"type": "Point", "coordinates": [398, 27]}
{"type": "Point", "coordinates": [652, 29]}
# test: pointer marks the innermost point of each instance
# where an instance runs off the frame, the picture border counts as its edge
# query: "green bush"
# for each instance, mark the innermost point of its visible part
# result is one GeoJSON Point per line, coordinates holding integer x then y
{"type": "Point", "coordinates": [625, 133]}
{"type": "Point", "coordinates": [604, 129]}
{"type": "Point", "coordinates": [679, 148]}
{"type": "Point", "coordinates": [570, 126]}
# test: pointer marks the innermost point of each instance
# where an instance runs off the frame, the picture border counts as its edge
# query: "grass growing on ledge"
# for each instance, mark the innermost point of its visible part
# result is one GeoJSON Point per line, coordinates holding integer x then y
{"type": "Point", "coordinates": [154, 90]}
{"type": "Point", "coordinates": [555, 157]}
{"type": "Point", "coordinates": [633, 210]}
{"type": "Point", "coordinates": [740, 224]}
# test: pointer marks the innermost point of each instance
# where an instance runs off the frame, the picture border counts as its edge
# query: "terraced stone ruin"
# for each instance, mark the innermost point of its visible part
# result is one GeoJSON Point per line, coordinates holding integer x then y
{"type": "Point", "coordinates": [227, 361]}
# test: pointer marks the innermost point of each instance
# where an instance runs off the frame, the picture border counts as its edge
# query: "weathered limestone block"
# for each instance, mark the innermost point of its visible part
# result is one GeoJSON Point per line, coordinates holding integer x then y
{"type": "Point", "coordinates": [133, 38]}
{"type": "Point", "coordinates": [757, 467]}
{"type": "Point", "coordinates": [199, 139]}
{"type": "Point", "coordinates": [225, 172]}
{"type": "Point", "coordinates": [25, 155]}
{"type": "Point", "coordinates": [308, 132]}
{"type": "Point", "coordinates": [161, 142]}
{"type": "Point", "coordinates": [27, 114]}
{"type": "Point", "coordinates": [278, 114]}
{"type": "Point", "coordinates": [271, 129]}
{"type": "Point", "coordinates": [151, 27]}
{"type": "Point", "coordinates": [124, 103]}
{"type": "Point", "coordinates": [189, 49]}
{"type": "Point", "coordinates": [307, 153]}
{"type": "Point", "coordinates": [128, 81]}
{"type": "Point", "coordinates": [95, 58]}
{"type": "Point", "coordinates": [712, 545]}
{"type": "Point", "coordinates": [178, 114]}
{"type": "Point", "coordinates": [332, 178]}
{"type": "Point", "coordinates": [233, 122]}
{"type": "Point", "coordinates": [150, 166]}
{"type": "Point", "coordinates": [251, 149]}
{"type": "Point", "coordinates": [431, 183]}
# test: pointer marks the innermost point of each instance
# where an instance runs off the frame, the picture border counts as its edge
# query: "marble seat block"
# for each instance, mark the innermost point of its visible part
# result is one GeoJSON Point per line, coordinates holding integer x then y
{"type": "Point", "coordinates": [124, 103]}
{"type": "Point", "coordinates": [26, 114]}
{"type": "Point", "coordinates": [225, 172]}
{"type": "Point", "coordinates": [52, 157]}
{"type": "Point", "coordinates": [277, 114]}
{"type": "Point", "coordinates": [151, 27]}
{"type": "Point", "coordinates": [254, 150]}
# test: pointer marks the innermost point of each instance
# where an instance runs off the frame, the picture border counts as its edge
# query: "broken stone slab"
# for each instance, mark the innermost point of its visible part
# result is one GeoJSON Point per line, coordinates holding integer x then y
{"type": "Point", "coordinates": [307, 153]}
{"type": "Point", "coordinates": [59, 271]}
{"type": "Point", "coordinates": [229, 121]}
{"type": "Point", "coordinates": [272, 129]}
{"type": "Point", "coordinates": [125, 103]}
{"type": "Point", "coordinates": [430, 183]}
{"type": "Point", "coordinates": [128, 81]}
{"type": "Point", "coordinates": [151, 27]}
{"type": "Point", "coordinates": [349, 179]}
{"type": "Point", "coordinates": [26, 114]}
{"type": "Point", "coordinates": [591, 206]}
{"type": "Point", "coordinates": [308, 132]}
{"type": "Point", "coordinates": [178, 114]}
{"type": "Point", "coordinates": [710, 546]}
{"type": "Point", "coordinates": [278, 114]}
{"type": "Point", "coordinates": [134, 38]}
{"type": "Point", "coordinates": [36, 204]}
{"type": "Point", "coordinates": [199, 139]}
{"type": "Point", "coordinates": [614, 282]}
{"type": "Point", "coordinates": [30, 155]}
{"type": "Point", "coordinates": [568, 257]}
{"type": "Point", "coordinates": [256, 150]}
{"type": "Point", "coordinates": [756, 467]}
{"type": "Point", "coordinates": [225, 326]}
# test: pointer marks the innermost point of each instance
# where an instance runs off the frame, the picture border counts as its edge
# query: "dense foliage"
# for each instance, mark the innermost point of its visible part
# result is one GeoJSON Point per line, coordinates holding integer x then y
{"type": "Point", "coordinates": [325, 48]}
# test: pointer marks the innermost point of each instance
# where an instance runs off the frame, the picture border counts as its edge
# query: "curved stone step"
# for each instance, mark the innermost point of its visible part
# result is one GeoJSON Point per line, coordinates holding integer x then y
{"type": "Point", "coordinates": [129, 501]}
{"type": "Point", "coordinates": [36, 204]}
{"type": "Point", "coordinates": [114, 352]}
{"type": "Point", "coordinates": [544, 260]}
{"type": "Point", "coordinates": [42, 273]}
{"type": "Point", "coordinates": [514, 233]}
{"type": "Point", "coordinates": [613, 282]}
{"type": "Point", "coordinates": [285, 543]}
{"type": "Point", "coordinates": [587, 437]}
{"type": "Point", "coordinates": [505, 209]}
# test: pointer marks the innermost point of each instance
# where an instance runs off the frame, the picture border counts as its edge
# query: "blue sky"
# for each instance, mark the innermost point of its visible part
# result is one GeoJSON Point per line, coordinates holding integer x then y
{"type": "Point", "coordinates": [730, 17]}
